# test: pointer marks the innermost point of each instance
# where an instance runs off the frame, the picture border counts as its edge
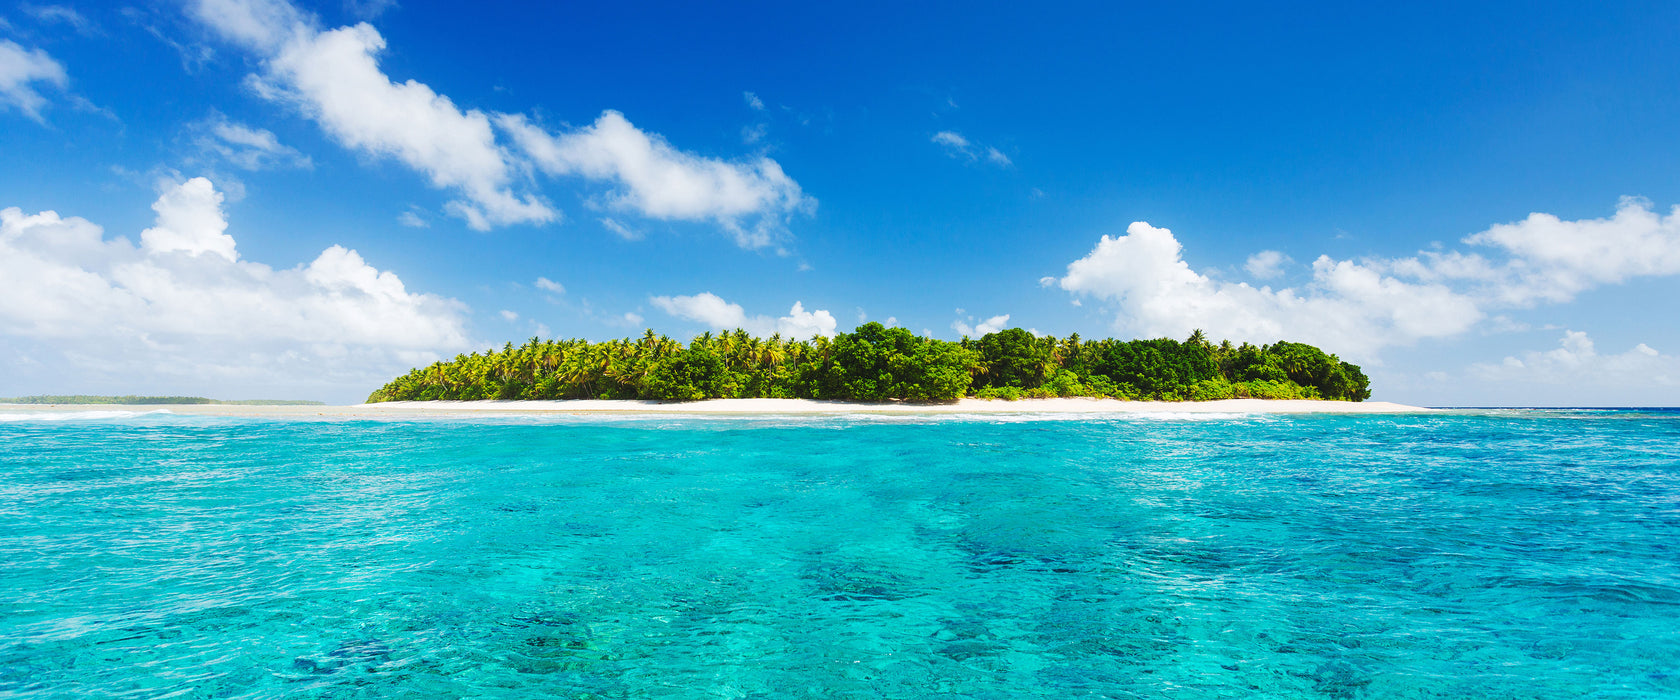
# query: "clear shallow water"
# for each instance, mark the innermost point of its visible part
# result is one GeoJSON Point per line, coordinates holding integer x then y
{"type": "Point", "coordinates": [1492, 555]}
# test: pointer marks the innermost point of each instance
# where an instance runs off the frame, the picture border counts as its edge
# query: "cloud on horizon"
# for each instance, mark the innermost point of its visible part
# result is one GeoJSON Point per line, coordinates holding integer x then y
{"type": "Point", "coordinates": [1576, 362]}
{"type": "Point", "coordinates": [183, 311]}
{"type": "Point", "coordinates": [985, 327]}
{"type": "Point", "coordinates": [1358, 308]}
{"type": "Point", "coordinates": [714, 312]}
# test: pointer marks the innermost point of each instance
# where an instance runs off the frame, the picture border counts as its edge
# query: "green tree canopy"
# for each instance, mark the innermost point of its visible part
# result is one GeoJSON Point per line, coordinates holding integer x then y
{"type": "Point", "coordinates": [877, 363]}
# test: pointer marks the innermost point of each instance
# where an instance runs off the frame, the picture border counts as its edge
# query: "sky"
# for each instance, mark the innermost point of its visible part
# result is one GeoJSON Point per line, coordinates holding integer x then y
{"type": "Point", "coordinates": [271, 199]}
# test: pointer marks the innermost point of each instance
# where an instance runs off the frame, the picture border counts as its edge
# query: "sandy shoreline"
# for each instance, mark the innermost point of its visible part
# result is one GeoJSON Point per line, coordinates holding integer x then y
{"type": "Point", "coordinates": [732, 407]}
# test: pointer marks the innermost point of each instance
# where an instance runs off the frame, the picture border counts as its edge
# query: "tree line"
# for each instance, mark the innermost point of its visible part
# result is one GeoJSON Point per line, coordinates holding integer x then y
{"type": "Point", "coordinates": [875, 363]}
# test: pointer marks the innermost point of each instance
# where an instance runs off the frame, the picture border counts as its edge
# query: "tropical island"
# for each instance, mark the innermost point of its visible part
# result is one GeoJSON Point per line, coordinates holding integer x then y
{"type": "Point", "coordinates": [875, 364]}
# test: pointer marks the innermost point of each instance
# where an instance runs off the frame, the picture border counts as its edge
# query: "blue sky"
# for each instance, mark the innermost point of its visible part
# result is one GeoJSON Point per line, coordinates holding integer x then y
{"type": "Point", "coordinates": [246, 198]}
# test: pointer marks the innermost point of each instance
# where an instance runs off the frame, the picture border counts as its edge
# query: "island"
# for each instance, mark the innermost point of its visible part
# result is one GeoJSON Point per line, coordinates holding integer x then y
{"type": "Point", "coordinates": [880, 364]}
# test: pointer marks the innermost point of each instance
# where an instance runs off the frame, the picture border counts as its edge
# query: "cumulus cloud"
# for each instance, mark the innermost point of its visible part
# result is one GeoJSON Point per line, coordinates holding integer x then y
{"type": "Point", "coordinates": [182, 312]}
{"type": "Point", "coordinates": [1360, 307]}
{"type": "Point", "coordinates": [1266, 264]}
{"type": "Point", "coordinates": [1577, 363]}
{"type": "Point", "coordinates": [1348, 307]}
{"type": "Point", "coordinates": [190, 220]}
{"type": "Point", "coordinates": [21, 72]}
{"type": "Point", "coordinates": [705, 308]}
{"type": "Point", "coordinates": [334, 77]}
{"type": "Point", "coordinates": [990, 325]}
{"type": "Point", "coordinates": [246, 147]}
{"type": "Point", "coordinates": [1548, 259]}
{"type": "Point", "coordinates": [549, 285]}
{"type": "Point", "coordinates": [712, 311]}
{"type": "Point", "coordinates": [750, 199]}
{"type": "Point", "coordinates": [800, 323]}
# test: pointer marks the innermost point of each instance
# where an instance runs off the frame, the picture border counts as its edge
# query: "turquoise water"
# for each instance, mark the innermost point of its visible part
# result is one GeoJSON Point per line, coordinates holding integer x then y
{"type": "Point", "coordinates": [1517, 554]}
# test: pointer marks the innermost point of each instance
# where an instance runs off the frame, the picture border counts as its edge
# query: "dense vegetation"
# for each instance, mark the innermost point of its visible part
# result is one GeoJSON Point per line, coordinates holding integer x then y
{"type": "Point", "coordinates": [876, 363]}
{"type": "Point", "coordinates": [149, 401]}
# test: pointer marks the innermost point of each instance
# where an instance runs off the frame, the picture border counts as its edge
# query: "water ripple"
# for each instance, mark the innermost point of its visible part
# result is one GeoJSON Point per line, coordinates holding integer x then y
{"type": "Point", "coordinates": [1471, 554]}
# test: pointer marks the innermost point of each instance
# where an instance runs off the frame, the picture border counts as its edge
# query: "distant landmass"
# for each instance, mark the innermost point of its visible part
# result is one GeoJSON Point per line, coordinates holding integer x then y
{"type": "Point", "coordinates": [152, 400]}
{"type": "Point", "coordinates": [876, 364]}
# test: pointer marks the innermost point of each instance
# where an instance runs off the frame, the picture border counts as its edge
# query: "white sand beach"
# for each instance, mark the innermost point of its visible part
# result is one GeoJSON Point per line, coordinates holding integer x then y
{"type": "Point", "coordinates": [738, 407]}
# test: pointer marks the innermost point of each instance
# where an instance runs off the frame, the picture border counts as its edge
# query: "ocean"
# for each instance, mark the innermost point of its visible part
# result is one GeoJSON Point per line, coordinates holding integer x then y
{"type": "Point", "coordinates": [1472, 554]}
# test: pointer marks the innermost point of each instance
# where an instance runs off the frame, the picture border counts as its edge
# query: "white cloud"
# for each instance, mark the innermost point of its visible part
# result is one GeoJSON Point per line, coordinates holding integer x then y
{"type": "Point", "coordinates": [800, 323]}
{"type": "Point", "coordinates": [334, 78]}
{"type": "Point", "coordinates": [712, 311]}
{"type": "Point", "coordinates": [1358, 308]}
{"type": "Point", "coordinates": [753, 101]}
{"type": "Point", "coordinates": [751, 199]}
{"type": "Point", "coordinates": [261, 25]}
{"type": "Point", "coordinates": [618, 228]}
{"type": "Point", "coordinates": [549, 285]}
{"type": "Point", "coordinates": [705, 308]}
{"type": "Point", "coordinates": [632, 318]}
{"type": "Point", "coordinates": [960, 147]}
{"type": "Point", "coordinates": [1266, 264]}
{"type": "Point", "coordinates": [952, 140]}
{"type": "Point", "coordinates": [509, 316]}
{"type": "Point", "coordinates": [412, 219]}
{"type": "Point", "coordinates": [1552, 260]}
{"type": "Point", "coordinates": [52, 14]}
{"type": "Point", "coordinates": [247, 147]}
{"type": "Point", "coordinates": [21, 70]}
{"type": "Point", "coordinates": [181, 313]}
{"type": "Point", "coordinates": [1577, 363]}
{"type": "Point", "coordinates": [990, 325]}
{"type": "Point", "coordinates": [190, 220]}
{"type": "Point", "coordinates": [1348, 308]}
